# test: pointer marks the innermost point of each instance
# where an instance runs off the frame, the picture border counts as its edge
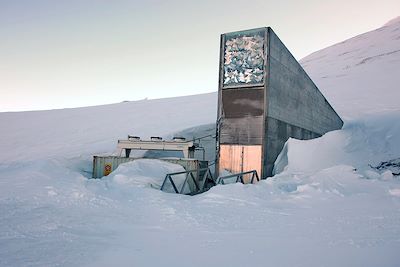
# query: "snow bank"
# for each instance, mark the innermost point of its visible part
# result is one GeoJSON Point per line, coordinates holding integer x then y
{"type": "Point", "coordinates": [361, 143]}
{"type": "Point", "coordinates": [143, 173]}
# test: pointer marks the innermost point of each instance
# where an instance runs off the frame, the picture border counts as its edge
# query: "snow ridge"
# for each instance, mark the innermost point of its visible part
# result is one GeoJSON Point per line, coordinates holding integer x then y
{"type": "Point", "coordinates": [393, 21]}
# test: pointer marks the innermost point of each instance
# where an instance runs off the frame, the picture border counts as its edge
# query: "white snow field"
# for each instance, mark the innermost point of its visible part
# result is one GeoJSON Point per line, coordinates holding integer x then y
{"type": "Point", "coordinates": [326, 206]}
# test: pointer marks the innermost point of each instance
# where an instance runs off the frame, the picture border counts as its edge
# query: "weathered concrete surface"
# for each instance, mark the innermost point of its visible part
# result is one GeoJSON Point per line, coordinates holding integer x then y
{"type": "Point", "coordinates": [287, 104]}
{"type": "Point", "coordinates": [296, 108]}
{"type": "Point", "coordinates": [292, 95]}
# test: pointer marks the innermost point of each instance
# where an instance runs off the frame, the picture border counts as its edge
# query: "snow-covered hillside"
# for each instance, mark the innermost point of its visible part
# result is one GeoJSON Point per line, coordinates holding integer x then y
{"type": "Point", "coordinates": [360, 75]}
{"type": "Point", "coordinates": [83, 131]}
{"type": "Point", "coordinates": [327, 206]}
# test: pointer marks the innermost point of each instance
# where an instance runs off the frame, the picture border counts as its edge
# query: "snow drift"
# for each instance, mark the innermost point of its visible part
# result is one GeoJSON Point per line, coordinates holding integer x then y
{"type": "Point", "coordinates": [143, 173]}
{"type": "Point", "coordinates": [361, 143]}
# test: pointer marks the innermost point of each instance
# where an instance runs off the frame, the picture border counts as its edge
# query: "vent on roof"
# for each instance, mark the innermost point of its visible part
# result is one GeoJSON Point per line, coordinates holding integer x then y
{"type": "Point", "coordinates": [179, 139]}
{"type": "Point", "coordinates": [133, 138]}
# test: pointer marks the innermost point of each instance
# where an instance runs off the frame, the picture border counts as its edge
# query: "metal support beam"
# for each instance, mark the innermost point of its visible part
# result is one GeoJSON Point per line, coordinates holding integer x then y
{"type": "Point", "coordinates": [187, 147]}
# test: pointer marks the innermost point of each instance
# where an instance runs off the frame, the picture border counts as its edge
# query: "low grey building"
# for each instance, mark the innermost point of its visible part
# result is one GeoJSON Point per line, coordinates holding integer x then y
{"type": "Point", "coordinates": [264, 97]}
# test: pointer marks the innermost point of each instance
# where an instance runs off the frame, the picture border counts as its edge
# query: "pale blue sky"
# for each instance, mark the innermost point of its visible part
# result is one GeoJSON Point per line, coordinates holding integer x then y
{"type": "Point", "coordinates": [57, 54]}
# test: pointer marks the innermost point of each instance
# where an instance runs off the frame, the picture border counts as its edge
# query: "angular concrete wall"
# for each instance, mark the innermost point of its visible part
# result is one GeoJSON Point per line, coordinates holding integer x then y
{"type": "Point", "coordinates": [255, 119]}
{"type": "Point", "coordinates": [296, 108]}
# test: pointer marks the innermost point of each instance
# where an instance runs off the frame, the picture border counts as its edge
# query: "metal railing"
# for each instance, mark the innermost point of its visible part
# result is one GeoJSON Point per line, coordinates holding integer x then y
{"type": "Point", "coordinates": [188, 182]}
{"type": "Point", "coordinates": [239, 177]}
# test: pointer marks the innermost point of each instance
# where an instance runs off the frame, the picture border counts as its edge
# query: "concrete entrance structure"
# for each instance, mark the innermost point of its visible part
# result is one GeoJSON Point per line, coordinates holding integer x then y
{"type": "Point", "coordinates": [264, 97]}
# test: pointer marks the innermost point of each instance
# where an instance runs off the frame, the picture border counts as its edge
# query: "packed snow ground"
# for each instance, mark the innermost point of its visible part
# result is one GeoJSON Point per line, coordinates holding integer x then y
{"type": "Point", "coordinates": [326, 207]}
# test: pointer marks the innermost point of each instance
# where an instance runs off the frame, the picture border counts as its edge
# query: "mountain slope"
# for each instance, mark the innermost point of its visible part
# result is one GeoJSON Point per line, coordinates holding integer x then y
{"type": "Point", "coordinates": [360, 76]}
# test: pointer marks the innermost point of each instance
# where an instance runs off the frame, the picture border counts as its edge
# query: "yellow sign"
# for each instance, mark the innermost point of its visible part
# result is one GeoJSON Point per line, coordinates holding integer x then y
{"type": "Point", "coordinates": [107, 169]}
